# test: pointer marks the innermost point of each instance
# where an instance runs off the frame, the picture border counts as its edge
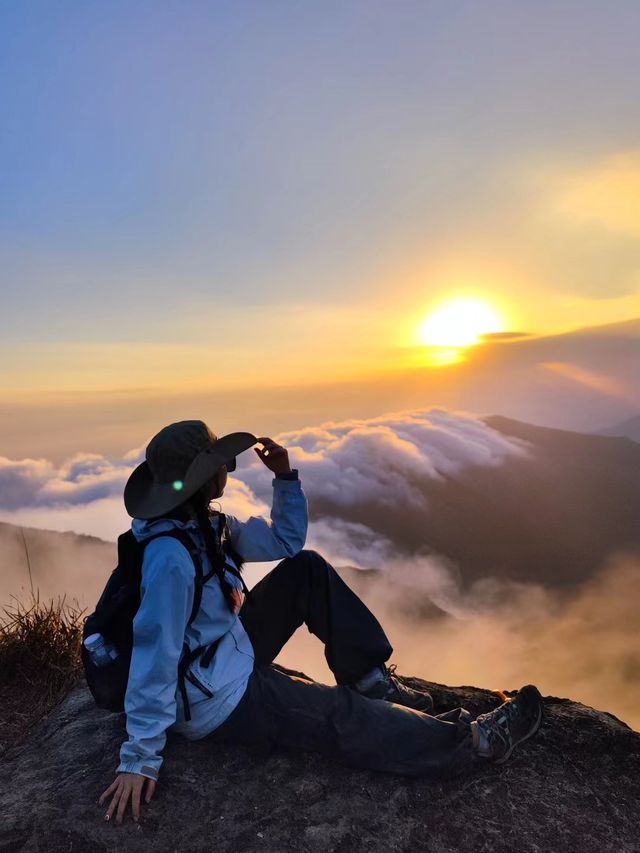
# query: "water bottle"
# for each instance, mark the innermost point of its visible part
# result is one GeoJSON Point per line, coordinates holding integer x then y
{"type": "Point", "coordinates": [101, 651]}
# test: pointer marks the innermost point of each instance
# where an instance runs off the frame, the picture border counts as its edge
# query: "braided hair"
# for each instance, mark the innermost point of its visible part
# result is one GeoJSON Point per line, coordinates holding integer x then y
{"type": "Point", "coordinates": [218, 547]}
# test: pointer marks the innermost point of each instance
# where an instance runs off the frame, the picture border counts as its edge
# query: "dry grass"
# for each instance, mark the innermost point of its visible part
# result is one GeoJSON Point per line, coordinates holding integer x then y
{"type": "Point", "coordinates": [39, 663]}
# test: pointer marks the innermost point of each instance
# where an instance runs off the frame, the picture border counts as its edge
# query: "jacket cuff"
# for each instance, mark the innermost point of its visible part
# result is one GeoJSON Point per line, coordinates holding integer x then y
{"type": "Point", "coordinates": [289, 475]}
{"type": "Point", "coordinates": [138, 767]}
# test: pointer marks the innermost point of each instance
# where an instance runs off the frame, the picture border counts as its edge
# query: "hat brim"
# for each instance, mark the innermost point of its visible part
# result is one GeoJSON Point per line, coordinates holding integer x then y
{"type": "Point", "coordinates": [145, 498]}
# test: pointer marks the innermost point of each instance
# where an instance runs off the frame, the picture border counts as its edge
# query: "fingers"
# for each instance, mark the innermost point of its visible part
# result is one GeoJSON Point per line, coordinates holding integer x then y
{"type": "Point", "coordinates": [135, 798]}
{"type": "Point", "coordinates": [270, 447]}
{"type": "Point", "coordinates": [122, 805]}
{"type": "Point", "coordinates": [269, 443]}
{"type": "Point", "coordinates": [123, 787]}
{"type": "Point", "coordinates": [115, 800]}
{"type": "Point", "coordinates": [274, 456]}
{"type": "Point", "coordinates": [272, 452]}
{"type": "Point", "coordinates": [151, 788]}
{"type": "Point", "coordinates": [106, 793]}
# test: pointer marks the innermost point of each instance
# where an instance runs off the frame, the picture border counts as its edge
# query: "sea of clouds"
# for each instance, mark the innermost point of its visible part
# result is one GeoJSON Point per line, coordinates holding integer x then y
{"type": "Point", "coordinates": [493, 633]}
{"type": "Point", "coordinates": [380, 460]}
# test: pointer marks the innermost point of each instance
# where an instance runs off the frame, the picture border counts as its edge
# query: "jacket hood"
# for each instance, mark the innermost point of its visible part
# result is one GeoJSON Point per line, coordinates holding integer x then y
{"type": "Point", "coordinates": [142, 528]}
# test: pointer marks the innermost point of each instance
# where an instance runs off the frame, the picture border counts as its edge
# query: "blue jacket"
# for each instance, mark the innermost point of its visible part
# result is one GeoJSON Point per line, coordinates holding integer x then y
{"type": "Point", "coordinates": [153, 702]}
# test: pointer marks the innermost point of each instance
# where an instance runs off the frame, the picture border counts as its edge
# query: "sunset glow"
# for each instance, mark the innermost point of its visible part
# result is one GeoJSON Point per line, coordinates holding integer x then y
{"type": "Point", "coordinates": [259, 231]}
{"type": "Point", "coordinates": [460, 323]}
{"type": "Point", "coordinates": [392, 250]}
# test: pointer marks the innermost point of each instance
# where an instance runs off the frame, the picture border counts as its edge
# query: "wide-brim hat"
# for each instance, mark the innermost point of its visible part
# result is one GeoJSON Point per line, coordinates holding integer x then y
{"type": "Point", "coordinates": [180, 459]}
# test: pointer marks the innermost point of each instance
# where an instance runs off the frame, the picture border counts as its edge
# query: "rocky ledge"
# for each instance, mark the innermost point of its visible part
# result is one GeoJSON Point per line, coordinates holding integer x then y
{"type": "Point", "coordinates": [574, 787]}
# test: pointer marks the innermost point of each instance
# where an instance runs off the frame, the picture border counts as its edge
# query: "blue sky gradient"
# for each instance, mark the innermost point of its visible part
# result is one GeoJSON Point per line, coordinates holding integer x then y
{"type": "Point", "coordinates": [163, 157]}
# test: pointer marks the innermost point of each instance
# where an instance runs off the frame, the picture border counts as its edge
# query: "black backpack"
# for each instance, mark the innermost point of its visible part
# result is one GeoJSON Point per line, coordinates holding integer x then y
{"type": "Point", "coordinates": [117, 607]}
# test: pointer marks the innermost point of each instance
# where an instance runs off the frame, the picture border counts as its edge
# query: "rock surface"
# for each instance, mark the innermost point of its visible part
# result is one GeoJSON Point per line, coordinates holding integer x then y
{"type": "Point", "coordinates": [574, 787]}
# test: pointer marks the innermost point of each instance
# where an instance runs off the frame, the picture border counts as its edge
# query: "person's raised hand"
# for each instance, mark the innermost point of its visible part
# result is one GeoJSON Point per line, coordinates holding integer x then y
{"type": "Point", "coordinates": [127, 785]}
{"type": "Point", "coordinates": [274, 456]}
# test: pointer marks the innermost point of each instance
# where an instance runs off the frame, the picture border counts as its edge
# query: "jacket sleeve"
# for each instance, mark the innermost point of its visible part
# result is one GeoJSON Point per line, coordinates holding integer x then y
{"type": "Point", "coordinates": [167, 593]}
{"type": "Point", "coordinates": [284, 536]}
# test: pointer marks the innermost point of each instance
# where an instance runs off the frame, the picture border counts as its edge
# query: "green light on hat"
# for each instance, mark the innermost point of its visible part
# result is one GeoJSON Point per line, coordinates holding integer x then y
{"type": "Point", "coordinates": [178, 485]}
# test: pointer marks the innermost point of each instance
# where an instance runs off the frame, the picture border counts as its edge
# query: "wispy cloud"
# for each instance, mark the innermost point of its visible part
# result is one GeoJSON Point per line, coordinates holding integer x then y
{"type": "Point", "coordinates": [591, 379]}
{"type": "Point", "coordinates": [83, 478]}
{"type": "Point", "coordinates": [607, 192]}
{"type": "Point", "coordinates": [503, 635]}
{"type": "Point", "coordinates": [492, 337]}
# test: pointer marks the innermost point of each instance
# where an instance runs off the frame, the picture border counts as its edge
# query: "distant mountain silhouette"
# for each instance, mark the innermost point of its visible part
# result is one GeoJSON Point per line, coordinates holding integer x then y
{"type": "Point", "coordinates": [552, 517]}
{"type": "Point", "coordinates": [573, 504]}
{"type": "Point", "coordinates": [60, 562]}
{"type": "Point", "coordinates": [625, 329]}
{"type": "Point", "coordinates": [629, 428]}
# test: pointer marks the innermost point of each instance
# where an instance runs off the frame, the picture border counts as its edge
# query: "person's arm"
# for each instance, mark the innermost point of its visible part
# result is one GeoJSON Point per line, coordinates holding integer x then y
{"type": "Point", "coordinates": [259, 539]}
{"type": "Point", "coordinates": [167, 592]}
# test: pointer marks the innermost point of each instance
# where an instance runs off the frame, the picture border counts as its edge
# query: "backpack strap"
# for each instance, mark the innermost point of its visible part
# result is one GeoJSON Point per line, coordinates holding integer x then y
{"type": "Point", "coordinates": [183, 537]}
{"type": "Point", "coordinates": [188, 656]}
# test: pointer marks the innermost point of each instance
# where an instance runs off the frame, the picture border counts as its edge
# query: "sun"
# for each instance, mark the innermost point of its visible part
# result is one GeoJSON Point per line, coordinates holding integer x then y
{"type": "Point", "coordinates": [460, 323]}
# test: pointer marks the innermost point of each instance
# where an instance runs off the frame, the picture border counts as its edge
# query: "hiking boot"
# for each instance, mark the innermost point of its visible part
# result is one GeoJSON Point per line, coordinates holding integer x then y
{"type": "Point", "coordinates": [391, 690]}
{"type": "Point", "coordinates": [502, 729]}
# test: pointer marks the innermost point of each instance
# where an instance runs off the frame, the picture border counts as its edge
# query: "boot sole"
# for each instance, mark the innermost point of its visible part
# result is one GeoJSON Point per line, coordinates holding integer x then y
{"type": "Point", "coordinates": [534, 728]}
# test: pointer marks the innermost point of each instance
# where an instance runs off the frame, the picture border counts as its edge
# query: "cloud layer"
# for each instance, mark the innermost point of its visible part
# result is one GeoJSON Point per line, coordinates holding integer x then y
{"type": "Point", "coordinates": [380, 460]}
{"type": "Point", "coordinates": [581, 642]}
{"type": "Point", "coordinates": [583, 646]}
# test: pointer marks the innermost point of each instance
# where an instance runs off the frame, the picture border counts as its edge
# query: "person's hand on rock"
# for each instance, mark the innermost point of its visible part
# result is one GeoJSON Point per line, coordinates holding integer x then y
{"type": "Point", "coordinates": [274, 456]}
{"type": "Point", "coordinates": [125, 785]}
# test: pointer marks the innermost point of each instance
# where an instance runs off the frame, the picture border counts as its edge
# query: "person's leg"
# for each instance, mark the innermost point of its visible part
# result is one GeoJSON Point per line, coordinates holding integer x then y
{"type": "Point", "coordinates": [282, 710]}
{"type": "Point", "coordinates": [307, 589]}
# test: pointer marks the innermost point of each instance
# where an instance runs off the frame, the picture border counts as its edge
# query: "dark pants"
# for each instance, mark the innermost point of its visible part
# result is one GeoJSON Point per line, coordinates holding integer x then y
{"type": "Point", "coordinates": [280, 709]}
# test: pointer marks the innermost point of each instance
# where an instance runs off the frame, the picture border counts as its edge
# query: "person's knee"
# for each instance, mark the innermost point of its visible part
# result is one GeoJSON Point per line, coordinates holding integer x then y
{"type": "Point", "coordinates": [310, 554]}
{"type": "Point", "coordinates": [313, 559]}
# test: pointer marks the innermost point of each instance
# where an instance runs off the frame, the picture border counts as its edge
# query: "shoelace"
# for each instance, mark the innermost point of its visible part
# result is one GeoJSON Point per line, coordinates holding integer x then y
{"type": "Point", "coordinates": [390, 687]}
{"type": "Point", "coordinates": [390, 670]}
{"type": "Point", "coordinates": [497, 728]}
{"type": "Point", "coordinates": [510, 709]}
{"type": "Point", "coordinates": [395, 689]}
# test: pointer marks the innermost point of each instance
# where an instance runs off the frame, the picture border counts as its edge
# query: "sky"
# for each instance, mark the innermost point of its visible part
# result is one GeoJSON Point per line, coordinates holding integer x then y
{"type": "Point", "coordinates": [217, 194]}
{"type": "Point", "coordinates": [278, 217]}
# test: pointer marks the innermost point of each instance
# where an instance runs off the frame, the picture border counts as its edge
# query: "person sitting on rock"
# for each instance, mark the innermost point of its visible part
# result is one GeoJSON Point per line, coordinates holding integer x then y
{"type": "Point", "coordinates": [368, 719]}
